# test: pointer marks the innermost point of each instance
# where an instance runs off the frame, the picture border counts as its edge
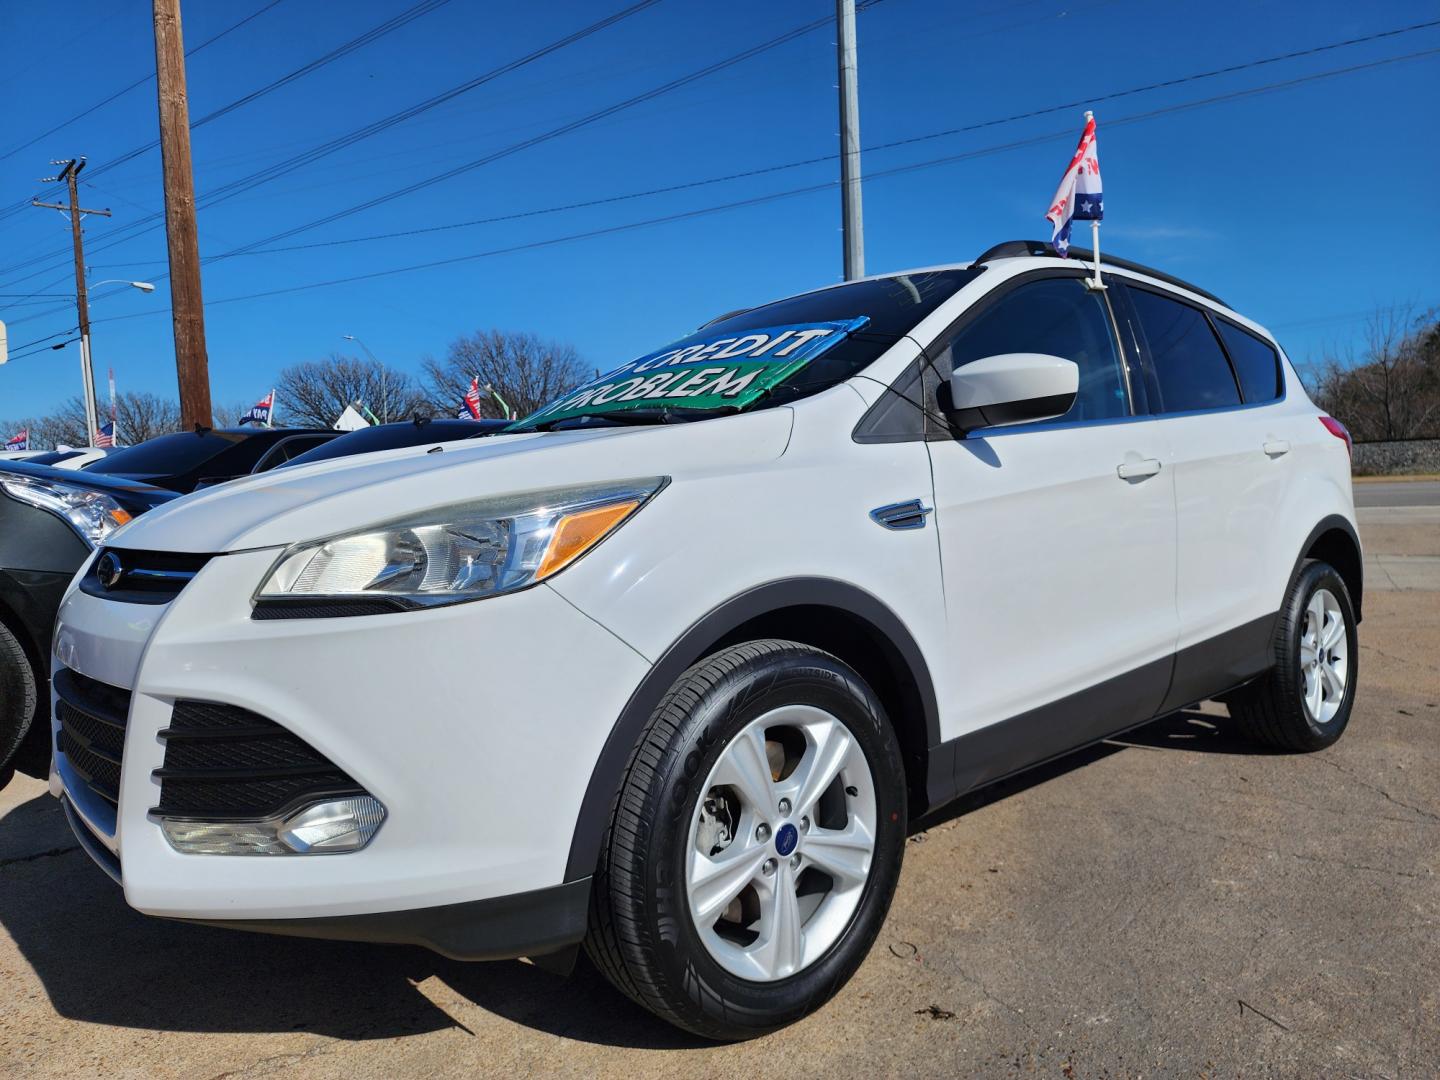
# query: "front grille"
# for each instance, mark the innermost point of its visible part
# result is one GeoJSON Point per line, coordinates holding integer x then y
{"type": "Point", "coordinates": [222, 761]}
{"type": "Point", "coordinates": [92, 719]}
{"type": "Point", "coordinates": [145, 577]}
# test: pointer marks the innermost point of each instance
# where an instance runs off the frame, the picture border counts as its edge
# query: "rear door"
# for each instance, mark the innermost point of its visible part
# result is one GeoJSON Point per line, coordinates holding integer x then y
{"type": "Point", "coordinates": [1231, 468]}
{"type": "Point", "coordinates": [1057, 540]}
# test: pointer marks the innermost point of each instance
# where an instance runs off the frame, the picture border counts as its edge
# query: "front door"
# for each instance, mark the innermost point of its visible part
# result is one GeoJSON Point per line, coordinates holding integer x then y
{"type": "Point", "coordinates": [1057, 540]}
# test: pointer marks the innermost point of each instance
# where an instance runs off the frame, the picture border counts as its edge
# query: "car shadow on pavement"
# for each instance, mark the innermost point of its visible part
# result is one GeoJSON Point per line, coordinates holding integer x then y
{"type": "Point", "coordinates": [1188, 729]}
{"type": "Point", "coordinates": [103, 963]}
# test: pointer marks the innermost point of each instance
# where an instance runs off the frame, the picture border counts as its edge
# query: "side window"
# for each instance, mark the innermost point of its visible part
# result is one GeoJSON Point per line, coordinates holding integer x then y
{"type": "Point", "coordinates": [1256, 363]}
{"type": "Point", "coordinates": [1189, 363]}
{"type": "Point", "coordinates": [1059, 317]}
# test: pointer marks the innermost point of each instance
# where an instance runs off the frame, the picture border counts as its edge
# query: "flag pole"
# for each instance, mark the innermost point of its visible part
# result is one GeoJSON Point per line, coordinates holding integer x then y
{"type": "Point", "coordinates": [272, 406]}
{"type": "Point", "coordinates": [1095, 282]}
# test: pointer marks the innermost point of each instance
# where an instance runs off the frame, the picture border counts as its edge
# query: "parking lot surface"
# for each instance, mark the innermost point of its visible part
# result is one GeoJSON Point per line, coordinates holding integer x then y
{"type": "Point", "coordinates": [1175, 903]}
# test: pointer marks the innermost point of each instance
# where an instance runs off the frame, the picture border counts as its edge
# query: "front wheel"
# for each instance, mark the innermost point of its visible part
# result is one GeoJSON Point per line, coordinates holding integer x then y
{"type": "Point", "coordinates": [755, 843]}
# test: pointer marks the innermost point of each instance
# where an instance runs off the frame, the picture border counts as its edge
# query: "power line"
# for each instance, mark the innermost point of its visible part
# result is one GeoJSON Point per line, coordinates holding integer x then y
{"type": "Point", "coordinates": [245, 183]}
{"type": "Point", "coordinates": [553, 133]}
{"type": "Point", "coordinates": [137, 83]}
{"type": "Point", "coordinates": [810, 189]}
{"type": "Point", "coordinates": [372, 35]}
{"type": "Point", "coordinates": [250, 249]}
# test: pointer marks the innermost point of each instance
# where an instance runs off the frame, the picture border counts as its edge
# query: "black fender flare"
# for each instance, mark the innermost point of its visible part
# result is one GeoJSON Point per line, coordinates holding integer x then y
{"type": "Point", "coordinates": [1333, 523]}
{"type": "Point", "coordinates": [693, 645]}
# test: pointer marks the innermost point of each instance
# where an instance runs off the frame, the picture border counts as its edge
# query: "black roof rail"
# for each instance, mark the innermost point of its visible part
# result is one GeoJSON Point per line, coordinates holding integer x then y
{"type": "Point", "coordinates": [1019, 249]}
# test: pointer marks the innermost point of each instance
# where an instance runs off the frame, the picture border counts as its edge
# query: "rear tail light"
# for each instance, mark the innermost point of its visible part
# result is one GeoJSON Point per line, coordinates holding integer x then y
{"type": "Point", "coordinates": [1338, 430]}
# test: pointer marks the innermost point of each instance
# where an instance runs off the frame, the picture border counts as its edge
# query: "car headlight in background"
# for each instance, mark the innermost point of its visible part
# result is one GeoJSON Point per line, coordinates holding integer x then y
{"type": "Point", "coordinates": [92, 514]}
{"type": "Point", "coordinates": [460, 552]}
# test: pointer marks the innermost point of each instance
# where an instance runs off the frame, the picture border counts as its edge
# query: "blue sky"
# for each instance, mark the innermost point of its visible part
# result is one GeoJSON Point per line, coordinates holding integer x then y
{"type": "Point", "coordinates": [1306, 207]}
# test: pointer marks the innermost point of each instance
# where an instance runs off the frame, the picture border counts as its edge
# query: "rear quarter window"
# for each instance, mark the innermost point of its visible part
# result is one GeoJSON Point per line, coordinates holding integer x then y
{"type": "Point", "coordinates": [1257, 364]}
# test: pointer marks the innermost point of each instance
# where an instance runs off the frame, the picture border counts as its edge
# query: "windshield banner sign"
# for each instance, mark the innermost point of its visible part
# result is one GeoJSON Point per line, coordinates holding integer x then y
{"type": "Point", "coordinates": [733, 370]}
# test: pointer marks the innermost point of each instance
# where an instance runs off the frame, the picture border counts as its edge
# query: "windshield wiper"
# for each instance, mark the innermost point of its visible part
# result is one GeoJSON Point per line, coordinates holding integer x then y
{"type": "Point", "coordinates": [661, 415]}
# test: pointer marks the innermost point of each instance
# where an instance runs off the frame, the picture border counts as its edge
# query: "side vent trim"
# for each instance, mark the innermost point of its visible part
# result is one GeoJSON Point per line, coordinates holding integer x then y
{"type": "Point", "coordinates": [902, 515]}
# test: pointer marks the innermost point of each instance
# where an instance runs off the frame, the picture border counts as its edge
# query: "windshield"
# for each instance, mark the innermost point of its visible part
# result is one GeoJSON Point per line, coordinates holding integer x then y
{"type": "Point", "coordinates": [53, 457]}
{"type": "Point", "coordinates": [167, 454]}
{"type": "Point", "coordinates": [765, 356]}
{"type": "Point", "coordinates": [394, 436]}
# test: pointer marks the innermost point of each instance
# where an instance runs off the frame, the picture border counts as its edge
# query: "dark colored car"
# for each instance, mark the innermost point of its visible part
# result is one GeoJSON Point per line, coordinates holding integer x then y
{"type": "Point", "coordinates": [417, 432]}
{"type": "Point", "coordinates": [50, 521]}
{"type": "Point", "coordinates": [187, 460]}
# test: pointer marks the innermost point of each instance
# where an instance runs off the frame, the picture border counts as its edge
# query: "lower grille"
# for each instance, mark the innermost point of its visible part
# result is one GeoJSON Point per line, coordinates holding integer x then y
{"type": "Point", "coordinates": [92, 719]}
{"type": "Point", "coordinates": [222, 761]}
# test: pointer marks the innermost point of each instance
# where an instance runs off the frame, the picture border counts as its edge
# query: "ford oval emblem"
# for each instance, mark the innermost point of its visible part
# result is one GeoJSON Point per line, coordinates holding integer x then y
{"type": "Point", "coordinates": [109, 570]}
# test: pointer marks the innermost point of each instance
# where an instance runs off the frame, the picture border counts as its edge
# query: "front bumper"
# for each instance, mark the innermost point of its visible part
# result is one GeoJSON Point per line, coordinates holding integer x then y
{"type": "Point", "coordinates": [477, 726]}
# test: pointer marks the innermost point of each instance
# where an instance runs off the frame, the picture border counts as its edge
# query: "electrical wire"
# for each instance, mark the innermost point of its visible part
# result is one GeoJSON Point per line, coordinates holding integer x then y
{"type": "Point", "coordinates": [794, 192]}
{"type": "Point", "coordinates": [245, 183]}
{"type": "Point", "coordinates": [372, 35]}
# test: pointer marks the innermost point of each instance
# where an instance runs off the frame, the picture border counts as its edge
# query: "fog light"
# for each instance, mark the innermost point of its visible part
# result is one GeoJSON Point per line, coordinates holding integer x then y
{"type": "Point", "coordinates": [325, 828]}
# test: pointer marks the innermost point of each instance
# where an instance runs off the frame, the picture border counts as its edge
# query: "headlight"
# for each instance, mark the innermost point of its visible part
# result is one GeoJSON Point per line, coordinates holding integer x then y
{"type": "Point", "coordinates": [92, 514]}
{"type": "Point", "coordinates": [460, 552]}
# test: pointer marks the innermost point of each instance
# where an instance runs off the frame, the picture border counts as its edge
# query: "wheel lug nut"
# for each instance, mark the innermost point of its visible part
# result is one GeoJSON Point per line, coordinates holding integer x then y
{"type": "Point", "coordinates": [762, 832]}
{"type": "Point", "coordinates": [768, 867]}
{"type": "Point", "coordinates": [805, 824]}
{"type": "Point", "coordinates": [795, 861]}
{"type": "Point", "coordinates": [784, 807]}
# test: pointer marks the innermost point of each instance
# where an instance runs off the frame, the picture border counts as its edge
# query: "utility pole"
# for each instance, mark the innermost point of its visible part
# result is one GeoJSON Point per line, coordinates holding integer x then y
{"type": "Point", "coordinates": [70, 176]}
{"type": "Point", "coordinates": [186, 306]}
{"type": "Point", "coordinates": [852, 221]}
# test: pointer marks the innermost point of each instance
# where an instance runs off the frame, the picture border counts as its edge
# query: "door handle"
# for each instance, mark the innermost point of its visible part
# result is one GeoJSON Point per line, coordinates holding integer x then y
{"type": "Point", "coordinates": [1138, 470]}
{"type": "Point", "coordinates": [1276, 447]}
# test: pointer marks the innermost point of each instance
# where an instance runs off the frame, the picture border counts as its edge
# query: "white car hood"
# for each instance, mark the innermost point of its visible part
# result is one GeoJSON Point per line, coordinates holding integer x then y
{"type": "Point", "coordinates": [293, 505]}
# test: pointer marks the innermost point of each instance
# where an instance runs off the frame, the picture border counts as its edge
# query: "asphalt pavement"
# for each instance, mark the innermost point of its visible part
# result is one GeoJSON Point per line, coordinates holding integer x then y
{"type": "Point", "coordinates": [1176, 903]}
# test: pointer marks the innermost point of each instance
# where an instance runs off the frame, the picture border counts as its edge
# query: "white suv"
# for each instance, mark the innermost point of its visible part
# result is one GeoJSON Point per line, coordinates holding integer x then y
{"type": "Point", "coordinates": [670, 669]}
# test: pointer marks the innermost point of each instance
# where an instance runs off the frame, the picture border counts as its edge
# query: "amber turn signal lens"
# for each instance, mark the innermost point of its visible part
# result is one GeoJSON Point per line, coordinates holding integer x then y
{"type": "Point", "coordinates": [577, 533]}
{"type": "Point", "coordinates": [120, 517]}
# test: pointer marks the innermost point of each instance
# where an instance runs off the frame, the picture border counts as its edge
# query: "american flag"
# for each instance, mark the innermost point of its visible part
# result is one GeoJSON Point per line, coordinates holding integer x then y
{"type": "Point", "coordinates": [19, 441]}
{"type": "Point", "coordinates": [262, 411]}
{"type": "Point", "coordinates": [1079, 197]}
{"type": "Point", "coordinates": [106, 439]}
{"type": "Point", "coordinates": [470, 404]}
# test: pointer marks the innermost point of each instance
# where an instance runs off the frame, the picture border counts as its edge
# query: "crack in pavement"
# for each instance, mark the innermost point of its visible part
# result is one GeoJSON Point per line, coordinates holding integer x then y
{"type": "Point", "coordinates": [38, 855]}
{"type": "Point", "coordinates": [1375, 788]}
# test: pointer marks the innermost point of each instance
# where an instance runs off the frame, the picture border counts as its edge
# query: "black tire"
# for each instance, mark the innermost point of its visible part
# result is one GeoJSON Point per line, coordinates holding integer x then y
{"type": "Point", "coordinates": [641, 934]}
{"type": "Point", "coordinates": [17, 696]}
{"type": "Point", "coordinates": [1272, 709]}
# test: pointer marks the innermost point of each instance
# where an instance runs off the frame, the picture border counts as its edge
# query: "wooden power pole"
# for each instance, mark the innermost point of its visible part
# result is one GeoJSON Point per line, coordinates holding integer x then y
{"type": "Point", "coordinates": [187, 310]}
{"type": "Point", "coordinates": [70, 175]}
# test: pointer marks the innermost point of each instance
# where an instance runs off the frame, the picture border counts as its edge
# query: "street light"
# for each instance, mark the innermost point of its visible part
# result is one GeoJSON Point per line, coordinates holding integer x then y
{"type": "Point", "coordinates": [87, 372]}
{"type": "Point", "coordinates": [384, 391]}
{"type": "Point", "coordinates": [143, 286]}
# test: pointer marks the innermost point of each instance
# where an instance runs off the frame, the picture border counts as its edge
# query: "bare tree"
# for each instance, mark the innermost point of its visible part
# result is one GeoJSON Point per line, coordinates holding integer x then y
{"type": "Point", "coordinates": [143, 416]}
{"type": "Point", "coordinates": [316, 392]}
{"type": "Point", "coordinates": [525, 370]}
{"type": "Point", "coordinates": [1393, 390]}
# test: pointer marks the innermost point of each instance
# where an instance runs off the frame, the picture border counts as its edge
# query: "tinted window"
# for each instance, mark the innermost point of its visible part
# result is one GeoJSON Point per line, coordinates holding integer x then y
{"type": "Point", "coordinates": [166, 454]}
{"type": "Point", "coordinates": [1189, 363]}
{"type": "Point", "coordinates": [894, 305]}
{"type": "Point", "coordinates": [1257, 364]}
{"type": "Point", "coordinates": [1057, 317]}
{"type": "Point", "coordinates": [290, 449]}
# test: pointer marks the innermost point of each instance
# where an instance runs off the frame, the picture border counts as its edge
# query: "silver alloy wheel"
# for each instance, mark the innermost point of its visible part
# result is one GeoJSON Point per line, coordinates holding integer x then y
{"type": "Point", "coordinates": [781, 843]}
{"type": "Point", "coordinates": [1324, 656]}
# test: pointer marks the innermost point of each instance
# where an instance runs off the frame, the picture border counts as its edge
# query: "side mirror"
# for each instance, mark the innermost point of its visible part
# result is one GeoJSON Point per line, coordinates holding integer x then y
{"type": "Point", "coordinates": [1012, 388]}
